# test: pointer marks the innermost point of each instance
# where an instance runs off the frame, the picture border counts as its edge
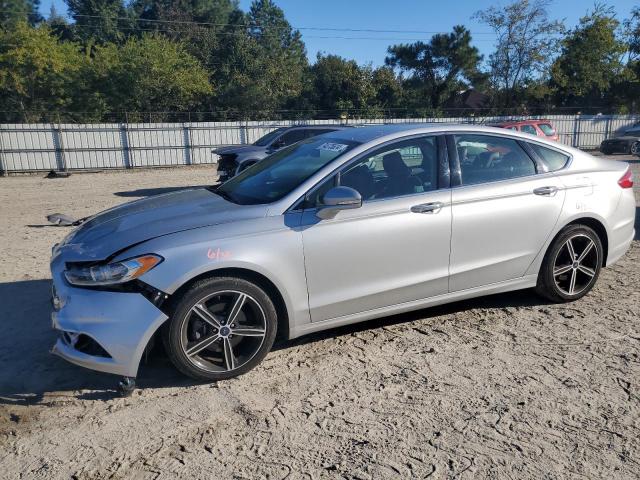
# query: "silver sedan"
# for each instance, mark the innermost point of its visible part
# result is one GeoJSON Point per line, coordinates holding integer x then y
{"type": "Point", "coordinates": [341, 228]}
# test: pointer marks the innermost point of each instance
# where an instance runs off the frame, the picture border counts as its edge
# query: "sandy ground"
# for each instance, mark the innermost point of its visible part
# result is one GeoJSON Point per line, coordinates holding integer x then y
{"type": "Point", "coordinates": [506, 386]}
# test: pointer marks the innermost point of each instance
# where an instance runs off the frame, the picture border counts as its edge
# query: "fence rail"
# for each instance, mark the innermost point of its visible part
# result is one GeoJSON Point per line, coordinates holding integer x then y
{"type": "Point", "coordinates": [58, 146]}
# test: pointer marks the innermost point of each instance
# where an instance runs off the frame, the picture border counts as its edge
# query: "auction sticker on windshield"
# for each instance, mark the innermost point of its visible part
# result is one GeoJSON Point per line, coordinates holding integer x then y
{"type": "Point", "coordinates": [333, 147]}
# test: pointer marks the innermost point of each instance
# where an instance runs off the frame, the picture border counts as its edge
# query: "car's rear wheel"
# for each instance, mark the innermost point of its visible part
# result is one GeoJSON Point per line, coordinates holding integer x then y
{"type": "Point", "coordinates": [571, 265]}
{"type": "Point", "coordinates": [635, 148]}
{"type": "Point", "coordinates": [220, 328]}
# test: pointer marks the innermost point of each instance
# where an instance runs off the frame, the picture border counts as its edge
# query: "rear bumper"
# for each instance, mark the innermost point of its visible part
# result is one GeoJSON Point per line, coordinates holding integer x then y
{"type": "Point", "coordinates": [121, 324]}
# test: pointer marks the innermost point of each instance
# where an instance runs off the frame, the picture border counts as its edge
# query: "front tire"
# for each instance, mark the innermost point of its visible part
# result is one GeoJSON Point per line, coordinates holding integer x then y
{"type": "Point", "coordinates": [571, 265]}
{"type": "Point", "coordinates": [220, 328]}
{"type": "Point", "coordinates": [635, 148]}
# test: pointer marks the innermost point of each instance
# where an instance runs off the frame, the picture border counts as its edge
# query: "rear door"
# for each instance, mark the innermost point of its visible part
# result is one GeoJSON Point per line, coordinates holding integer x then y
{"type": "Point", "coordinates": [503, 209]}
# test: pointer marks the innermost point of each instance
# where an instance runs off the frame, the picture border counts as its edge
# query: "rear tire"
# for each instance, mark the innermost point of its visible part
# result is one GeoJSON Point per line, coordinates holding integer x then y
{"type": "Point", "coordinates": [635, 148]}
{"type": "Point", "coordinates": [220, 328]}
{"type": "Point", "coordinates": [571, 265]}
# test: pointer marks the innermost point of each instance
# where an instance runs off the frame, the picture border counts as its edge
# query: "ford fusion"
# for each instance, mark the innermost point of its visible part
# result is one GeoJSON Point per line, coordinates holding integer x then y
{"type": "Point", "coordinates": [340, 228]}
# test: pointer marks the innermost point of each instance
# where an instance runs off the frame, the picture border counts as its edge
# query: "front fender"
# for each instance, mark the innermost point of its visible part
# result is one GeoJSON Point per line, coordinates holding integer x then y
{"type": "Point", "coordinates": [269, 246]}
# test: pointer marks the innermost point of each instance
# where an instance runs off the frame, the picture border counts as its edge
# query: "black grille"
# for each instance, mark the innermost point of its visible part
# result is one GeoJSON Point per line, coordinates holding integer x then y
{"type": "Point", "coordinates": [228, 165]}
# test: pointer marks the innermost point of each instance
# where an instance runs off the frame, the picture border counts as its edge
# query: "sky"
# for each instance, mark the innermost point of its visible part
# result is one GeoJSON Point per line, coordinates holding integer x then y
{"type": "Point", "coordinates": [410, 18]}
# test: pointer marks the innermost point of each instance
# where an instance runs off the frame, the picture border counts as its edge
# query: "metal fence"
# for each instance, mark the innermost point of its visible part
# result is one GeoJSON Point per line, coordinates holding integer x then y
{"type": "Point", "coordinates": [44, 147]}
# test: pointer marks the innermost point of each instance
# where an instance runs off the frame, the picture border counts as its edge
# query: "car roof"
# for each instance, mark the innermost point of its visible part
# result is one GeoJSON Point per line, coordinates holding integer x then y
{"type": "Point", "coordinates": [521, 122]}
{"type": "Point", "coordinates": [387, 132]}
{"type": "Point", "coordinates": [317, 127]}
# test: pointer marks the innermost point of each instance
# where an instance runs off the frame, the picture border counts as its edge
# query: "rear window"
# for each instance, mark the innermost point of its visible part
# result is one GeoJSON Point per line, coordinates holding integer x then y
{"type": "Point", "coordinates": [553, 158]}
{"type": "Point", "coordinates": [530, 129]}
{"type": "Point", "coordinates": [547, 129]}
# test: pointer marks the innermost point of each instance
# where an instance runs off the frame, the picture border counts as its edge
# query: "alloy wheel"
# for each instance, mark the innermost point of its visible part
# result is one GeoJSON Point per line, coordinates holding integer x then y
{"type": "Point", "coordinates": [223, 331]}
{"type": "Point", "coordinates": [635, 148]}
{"type": "Point", "coordinates": [576, 265]}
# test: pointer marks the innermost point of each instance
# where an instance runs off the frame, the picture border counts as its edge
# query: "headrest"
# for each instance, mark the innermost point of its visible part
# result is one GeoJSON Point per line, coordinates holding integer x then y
{"type": "Point", "coordinates": [394, 165]}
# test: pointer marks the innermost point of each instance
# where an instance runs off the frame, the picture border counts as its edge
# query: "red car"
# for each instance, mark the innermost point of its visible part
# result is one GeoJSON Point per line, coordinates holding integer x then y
{"type": "Point", "coordinates": [541, 128]}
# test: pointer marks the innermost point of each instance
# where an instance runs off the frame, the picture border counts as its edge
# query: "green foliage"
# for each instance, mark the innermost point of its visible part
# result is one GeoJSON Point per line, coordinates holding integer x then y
{"type": "Point", "coordinates": [209, 56]}
{"type": "Point", "coordinates": [14, 11]}
{"type": "Point", "coordinates": [591, 59]}
{"type": "Point", "coordinates": [438, 69]}
{"type": "Point", "coordinates": [149, 74]}
{"type": "Point", "coordinates": [526, 43]}
{"type": "Point", "coordinates": [99, 21]}
{"type": "Point", "coordinates": [38, 73]}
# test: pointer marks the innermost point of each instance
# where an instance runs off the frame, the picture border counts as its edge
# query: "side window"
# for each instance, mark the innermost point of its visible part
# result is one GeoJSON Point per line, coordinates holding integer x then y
{"type": "Point", "coordinates": [529, 129]}
{"type": "Point", "coordinates": [404, 168]}
{"type": "Point", "coordinates": [547, 129]}
{"type": "Point", "coordinates": [485, 158]}
{"type": "Point", "coordinates": [291, 137]}
{"type": "Point", "coordinates": [554, 159]}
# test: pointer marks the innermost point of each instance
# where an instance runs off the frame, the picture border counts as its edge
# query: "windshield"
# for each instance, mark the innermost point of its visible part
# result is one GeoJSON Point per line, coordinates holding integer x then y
{"type": "Point", "coordinates": [278, 174]}
{"type": "Point", "coordinates": [268, 138]}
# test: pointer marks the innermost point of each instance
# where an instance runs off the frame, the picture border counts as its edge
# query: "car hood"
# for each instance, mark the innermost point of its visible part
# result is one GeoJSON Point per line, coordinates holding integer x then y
{"type": "Point", "coordinates": [116, 229]}
{"type": "Point", "coordinates": [238, 149]}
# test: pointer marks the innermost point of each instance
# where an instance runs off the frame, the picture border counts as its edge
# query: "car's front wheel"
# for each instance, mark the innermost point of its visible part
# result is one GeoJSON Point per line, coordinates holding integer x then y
{"type": "Point", "coordinates": [220, 328]}
{"type": "Point", "coordinates": [635, 148]}
{"type": "Point", "coordinates": [571, 265]}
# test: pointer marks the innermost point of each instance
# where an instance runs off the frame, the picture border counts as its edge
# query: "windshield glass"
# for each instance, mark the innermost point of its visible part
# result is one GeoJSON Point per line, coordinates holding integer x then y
{"type": "Point", "coordinates": [278, 174]}
{"type": "Point", "coordinates": [268, 138]}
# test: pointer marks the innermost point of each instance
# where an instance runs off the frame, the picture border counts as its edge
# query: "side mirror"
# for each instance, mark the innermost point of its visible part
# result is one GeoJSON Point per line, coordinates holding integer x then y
{"type": "Point", "coordinates": [336, 199]}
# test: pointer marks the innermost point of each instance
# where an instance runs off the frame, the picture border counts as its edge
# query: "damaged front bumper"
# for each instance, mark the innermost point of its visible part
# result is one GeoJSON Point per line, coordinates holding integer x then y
{"type": "Point", "coordinates": [105, 331]}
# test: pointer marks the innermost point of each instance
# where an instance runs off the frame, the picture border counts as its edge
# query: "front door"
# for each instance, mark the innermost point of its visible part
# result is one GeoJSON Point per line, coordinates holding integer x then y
{"type": "Point", "coordinates": [392, 250]}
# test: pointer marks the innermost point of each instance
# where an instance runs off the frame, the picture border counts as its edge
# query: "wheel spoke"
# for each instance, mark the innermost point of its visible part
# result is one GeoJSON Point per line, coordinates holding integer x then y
{"type": "Point", "coordinates": [249, 332]}
{"type": "Point", "coordinates": [229, 357]}
{"type": "Point", "coordinates": [586, 251]}
{"type": "Point", "coordinates": [572, 284]}
{"type": "Point", "coordinates": [572, 252]}
{"type": "Point", "coordinates": [235, 310]}
{"type": "Point", "coordinates": [201, 345]}
{"type": "Point", "coordinates": [200, 310]}
{"type": "Point", "coordinates": [561, 270]}
{"type": "Point", "coordinates": [587, 270]}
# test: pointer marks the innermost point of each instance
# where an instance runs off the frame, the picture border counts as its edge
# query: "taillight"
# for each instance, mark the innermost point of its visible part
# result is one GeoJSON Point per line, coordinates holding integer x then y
{"type": "Point", "coordinates": [626, 181]}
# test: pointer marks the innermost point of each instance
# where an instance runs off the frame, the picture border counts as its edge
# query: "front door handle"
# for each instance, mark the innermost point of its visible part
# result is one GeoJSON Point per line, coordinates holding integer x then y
{"type": "Point", "coordinates": [546, 191]}
{"type": "Point", "coordinates": [433, 207]}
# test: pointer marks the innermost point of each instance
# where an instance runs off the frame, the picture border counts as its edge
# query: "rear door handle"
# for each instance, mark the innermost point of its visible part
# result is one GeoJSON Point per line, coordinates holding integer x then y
{"type": "Point", "coordinates": [546, 191]}
{"type": "Point", "coordinates": [433, 207]}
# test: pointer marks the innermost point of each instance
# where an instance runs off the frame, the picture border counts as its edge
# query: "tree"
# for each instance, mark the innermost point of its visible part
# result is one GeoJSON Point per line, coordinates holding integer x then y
{"type": "Point", "coordinates": [14, 11]}
{"type": "Point", "coordinates": [149, 74]}
{"type": "Point", "coordinates": [264, 70]}
{"type": "Point", "coordinates": [99, 21]}
{"type": "Point", "coordinates": [439, 68]}
{"type": "Point", "coordinates": [340, 87]}
{"type": "Point", "coordinates": [590, 61]}
{"type": "Point", "coordinates": [525, 44]}
{"type": "Point", "coordinates": [38, 74]}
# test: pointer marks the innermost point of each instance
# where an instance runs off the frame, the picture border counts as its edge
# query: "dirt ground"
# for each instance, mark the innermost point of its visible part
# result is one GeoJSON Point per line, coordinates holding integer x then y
{"type": "Point", "coordinates": [507, 386]}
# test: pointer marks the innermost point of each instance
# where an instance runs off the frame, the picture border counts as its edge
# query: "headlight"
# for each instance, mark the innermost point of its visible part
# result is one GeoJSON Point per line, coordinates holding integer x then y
{"type": "Point", "coordinates": [112, 273]}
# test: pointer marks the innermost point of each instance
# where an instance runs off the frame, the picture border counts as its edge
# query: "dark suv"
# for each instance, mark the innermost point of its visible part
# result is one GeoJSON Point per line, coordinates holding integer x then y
{"type": "Point", "coordinates": [236, 158]}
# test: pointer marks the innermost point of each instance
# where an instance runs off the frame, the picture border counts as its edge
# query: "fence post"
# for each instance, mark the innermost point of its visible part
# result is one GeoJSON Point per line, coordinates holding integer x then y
{"type": "Point", "coordinates": [3, 167]}
{"type": "Point", "coordinates": [244, 131]}
{"type": "Point", "coordinates": [58, 145]}
{"type": "Point", "coordinates": [126, 142]}
{"type": "Point", "coordinates": [576, 131]}
{"type": "Point", "coordinates": [188, 154]}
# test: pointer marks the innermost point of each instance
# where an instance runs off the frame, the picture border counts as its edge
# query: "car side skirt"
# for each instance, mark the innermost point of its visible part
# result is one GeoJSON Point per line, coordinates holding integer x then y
{"type": "Point", "coordinates": [527, 281]}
